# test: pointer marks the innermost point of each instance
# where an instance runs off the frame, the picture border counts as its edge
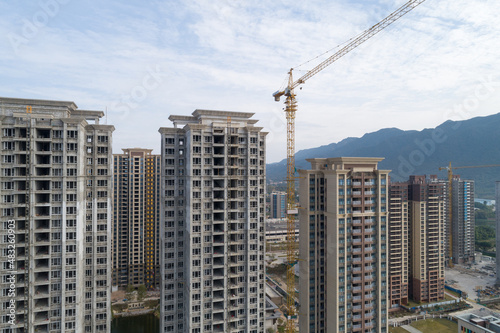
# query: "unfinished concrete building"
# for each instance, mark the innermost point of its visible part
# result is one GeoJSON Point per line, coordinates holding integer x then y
{"type": "Point", "coordinates": [343, 243]}
{"type": "Point", "coordinates": [56, 209]}
{"type": "Point", "coordinates": [136, 218]}
{"type": "Point", "coordinates": [213, 223]}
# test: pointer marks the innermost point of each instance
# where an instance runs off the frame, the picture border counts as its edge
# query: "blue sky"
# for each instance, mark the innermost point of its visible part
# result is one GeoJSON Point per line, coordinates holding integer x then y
{"type": "Point", "coordinates": [143, 61]}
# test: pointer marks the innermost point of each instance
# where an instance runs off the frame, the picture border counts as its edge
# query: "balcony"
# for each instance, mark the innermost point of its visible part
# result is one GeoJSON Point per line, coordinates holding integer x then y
{"type": "Point", "coordinates": [357, 231]}
{"type": "Point", "coordinates": [42, 237]}
{"type": "Point", "coordinates": [41, 291]}
{"type": "Point", "coordinates": [42, 250]}
{"type": "Point", "coordinates": [218, 239]}
{"type": "Point", "coordinates": [41, 304]}
{"type": "Point", "coordinates": [218, 272]}
{"type": "Point", "coordinates": [218, 284]}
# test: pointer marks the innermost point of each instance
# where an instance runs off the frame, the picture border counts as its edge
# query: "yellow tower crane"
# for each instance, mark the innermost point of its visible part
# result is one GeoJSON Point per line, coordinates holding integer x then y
{"type": "Point", "coordinates": [290, 109]}
{"type": "Point", "coordinates": [450, 169]}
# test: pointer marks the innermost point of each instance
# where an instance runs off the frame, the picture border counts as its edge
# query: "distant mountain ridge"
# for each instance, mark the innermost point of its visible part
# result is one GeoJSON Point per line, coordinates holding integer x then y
{"type": "Point", "coordinates": [469, 142]}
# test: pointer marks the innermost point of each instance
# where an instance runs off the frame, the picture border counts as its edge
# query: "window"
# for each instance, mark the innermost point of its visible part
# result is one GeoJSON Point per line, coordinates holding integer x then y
{"type": "Point", "coordinates": [72, 146]}
{"type": "Point", "coordinates": [102, 138]}
{"type": "Point", "coordinates": [8, 145]}
{"type": "Point", "coordinates": [8, 131]}
{"type": "Point", "coordinates": [102, 150]}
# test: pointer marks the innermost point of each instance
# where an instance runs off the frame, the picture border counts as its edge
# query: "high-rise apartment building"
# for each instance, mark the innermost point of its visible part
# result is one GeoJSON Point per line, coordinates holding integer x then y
{"type": "Point", "coordinates": [277, 205]}
{"type": "Point", "coordinates": [343, 245]}
{"type": "Point", "coordinates": [417, 237]}
{"type": "Point", "coordinates": [463, 221]}
{"type": "Point", "coordinates": [497, 217]}
{"type": "Point", "coordinates": [213, 223]}
{"type": "Point", "coordinates": [136, 218]}
{"type": "Point", "coordinates": [398, 245]}
{"type": "Point", "coordinates": [56, 217]}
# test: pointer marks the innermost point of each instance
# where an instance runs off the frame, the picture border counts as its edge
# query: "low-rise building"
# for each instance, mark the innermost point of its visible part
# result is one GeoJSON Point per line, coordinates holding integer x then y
{"type": "Point", "coordinates": [472, 323]}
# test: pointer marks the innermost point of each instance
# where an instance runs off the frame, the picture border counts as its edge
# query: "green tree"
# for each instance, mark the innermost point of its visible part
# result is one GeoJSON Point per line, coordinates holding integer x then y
{"type": "Point", "coordinates": [484, 233]}
{"type": "Point", "coordinates": [141, 292]}
{"type": "Point", "coordinates": [128, 291]}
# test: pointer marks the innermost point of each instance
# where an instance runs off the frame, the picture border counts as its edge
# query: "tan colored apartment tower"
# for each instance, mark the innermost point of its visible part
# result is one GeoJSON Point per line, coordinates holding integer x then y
{"type": "Point", "coordinates": [427, 216]}
{"type": "Point", "coordinates": [343, 245]}
{"type": "Point", "coordinates": [398, 245]}
{"type": "Point", "coordinates": [136, 199]}
{"type": "Point", "coordinates": [417, 240]}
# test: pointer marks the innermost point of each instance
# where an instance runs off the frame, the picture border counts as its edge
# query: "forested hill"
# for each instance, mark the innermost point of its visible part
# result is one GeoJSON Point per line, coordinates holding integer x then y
{"type": "Point", "coordinates": [469, 142]}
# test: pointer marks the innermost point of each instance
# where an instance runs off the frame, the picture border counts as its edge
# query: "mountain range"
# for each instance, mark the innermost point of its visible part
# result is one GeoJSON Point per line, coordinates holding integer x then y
{"type": "Point", "coordinates": [472, 142]}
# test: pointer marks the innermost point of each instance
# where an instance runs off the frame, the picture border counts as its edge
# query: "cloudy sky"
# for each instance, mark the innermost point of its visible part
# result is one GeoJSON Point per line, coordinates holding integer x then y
{"type": "Point", "coordinates": [145, 60]}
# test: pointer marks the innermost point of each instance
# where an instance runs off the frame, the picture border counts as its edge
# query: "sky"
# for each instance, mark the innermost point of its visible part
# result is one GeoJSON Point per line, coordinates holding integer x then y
{"type": "Point", "coordinates": [142, 61]}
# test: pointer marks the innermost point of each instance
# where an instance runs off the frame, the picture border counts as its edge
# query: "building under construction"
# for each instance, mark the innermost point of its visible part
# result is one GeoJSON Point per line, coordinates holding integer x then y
{"type": "Point", "coordinates": [213, 223]}
{"type": "Point", "coordinates": [55, 186]}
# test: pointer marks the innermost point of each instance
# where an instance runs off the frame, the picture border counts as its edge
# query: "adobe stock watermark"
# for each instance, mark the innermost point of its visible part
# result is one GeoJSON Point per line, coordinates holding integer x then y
{"type": "Point", "coordinates": [10, 274]}
{"type": "Point", "coordinates": [462, 111]}
{"type": "Point", "coordinates": [39, 20]}
{"type": "Point", "coordinates": [128, 102]}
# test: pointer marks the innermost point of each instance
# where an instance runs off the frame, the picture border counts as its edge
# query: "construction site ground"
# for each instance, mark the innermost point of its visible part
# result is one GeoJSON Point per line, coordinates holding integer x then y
{"type": "Point", "coordinates": [471, 277]}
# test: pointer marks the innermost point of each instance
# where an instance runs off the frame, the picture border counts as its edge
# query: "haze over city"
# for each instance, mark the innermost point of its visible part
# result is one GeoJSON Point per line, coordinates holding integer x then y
{"type": "Point", "coordinates": [141, 62]}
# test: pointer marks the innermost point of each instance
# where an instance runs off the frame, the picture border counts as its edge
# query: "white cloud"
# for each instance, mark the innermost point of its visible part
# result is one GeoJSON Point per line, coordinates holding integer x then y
{"type": "Point", "coordinates": [234, 54]}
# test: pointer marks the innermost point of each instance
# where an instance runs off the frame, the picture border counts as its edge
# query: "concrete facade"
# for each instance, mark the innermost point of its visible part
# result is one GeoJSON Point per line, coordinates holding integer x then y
{"type": "Point", "coordinates": [343, 241]}
{"type": "Point", "coordinates": [213, 223]}
{"type": "Point", "coordinates": [55, 198]}
{"type": "Point", "coordinates": [136, 218]}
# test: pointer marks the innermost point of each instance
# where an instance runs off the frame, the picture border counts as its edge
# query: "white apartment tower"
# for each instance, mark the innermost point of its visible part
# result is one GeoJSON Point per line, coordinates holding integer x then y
{"type": "Point", "coordinates": [55, 190]}
{"type": "Point", "coordinates": [343, 246]}
{"type": "Point", "coordinates": [213, 223]}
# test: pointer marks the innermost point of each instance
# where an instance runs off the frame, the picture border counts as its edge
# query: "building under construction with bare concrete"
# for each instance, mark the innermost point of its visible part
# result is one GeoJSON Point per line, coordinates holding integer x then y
{"type": "Point", "coordinates": [55, 189]}
{"type": "Point", "coordinates": [213, 223]}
